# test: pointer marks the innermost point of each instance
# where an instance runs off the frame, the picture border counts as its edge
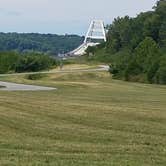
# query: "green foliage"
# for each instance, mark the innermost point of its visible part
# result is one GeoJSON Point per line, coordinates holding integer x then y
{"type": "Point", "coordinates": [120, 63]}
{"type": "Point", "coordinates": [162, 34]}
{"type": "Point", "coordinates": [160, 76]}
{"type": "Point", "coordinates": [135, 46]}
{"type": "Point", "coordinates": [90, 50]}
{"type": "Point", "coordinates": [147, 53]}
{"type": "Point", "coordinates": [37, 76]}
{"type": "Point", "coordinates": [142, 62]}
{"type": "Point", "coordinates": [35, 62]}
{"type": "Point", "coordinates": [152, 71]}
{"type": "Point", "coordinates": [8, 61]}
{"type": "Point", "coordinates": [161, 9]}
{"type": "Point", "coordinates": [45, 43]}
{"type": "Point", "coordinates": [14, 62]}
{"type": "Point", "coordinates": [132, 69]}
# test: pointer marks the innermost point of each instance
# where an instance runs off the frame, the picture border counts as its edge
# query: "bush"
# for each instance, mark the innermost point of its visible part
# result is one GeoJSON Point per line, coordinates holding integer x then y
{"type": "Point", "coordinates": [37, 76]}
{"type": "Point", "coordinates": [35, 62]}
{"type": "Point", "coordinates": [160, 77]}
{"type": "Point", "coordinates": [8, 61]}
{"type": "Point", "coordinates": [14, 62]}
{"type": "Point", "coordinates": [113, 70]}
{"type": "Point", "coordinates": [152, 72]}
{"type": "Point", "coordinates": [133, 69]}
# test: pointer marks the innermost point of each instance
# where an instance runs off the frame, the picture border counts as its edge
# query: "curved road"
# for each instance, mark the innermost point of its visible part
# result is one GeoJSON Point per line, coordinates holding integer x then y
{"type": "Point", "coordinates": [6, 86]}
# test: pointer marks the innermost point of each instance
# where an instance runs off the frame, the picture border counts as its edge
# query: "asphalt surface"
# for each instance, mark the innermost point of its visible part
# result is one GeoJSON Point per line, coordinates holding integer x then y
{"type": "Point", "coordinates": [22, 87]}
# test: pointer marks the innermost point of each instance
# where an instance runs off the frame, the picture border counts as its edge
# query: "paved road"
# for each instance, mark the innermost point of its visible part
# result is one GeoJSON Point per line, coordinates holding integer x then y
{"type": "Point", "coordinates": [22, 87]}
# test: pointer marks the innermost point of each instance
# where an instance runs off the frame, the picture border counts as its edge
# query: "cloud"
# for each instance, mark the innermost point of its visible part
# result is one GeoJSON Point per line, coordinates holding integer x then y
{"type": "Point", "coordinates": [13, 13]}
{"type": "Point", "coordinates": [9, 12]}
{"type": "Point", "coordinates": [64, 16]}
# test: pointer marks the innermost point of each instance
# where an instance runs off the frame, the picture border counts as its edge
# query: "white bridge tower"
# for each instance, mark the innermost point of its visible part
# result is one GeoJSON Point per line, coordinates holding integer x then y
{"type": "Point", "coordinates": [96, 31]}
{"type": "Point", "coordinates": [95, 35]}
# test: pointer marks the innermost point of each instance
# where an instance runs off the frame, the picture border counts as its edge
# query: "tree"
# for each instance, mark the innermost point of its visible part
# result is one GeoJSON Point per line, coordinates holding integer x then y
{"type": "Point", "coordinates": [135, 46]}
{"type": "Point", "coordinates": [35, 62]}
{"type": "Point", "coordinates": [160, 9]}
{"type": "Point", "coordinates": [152, 26]}
{"type": "Point", "coordinates": [42, 43]}
{"type": "Point", "coordinates": [162, 34]}
{"type": "Point", "coordinates": [8, 61]}
{"type": "Point", "coordinates": [14, 62]}
{"type": "Point", "coordinates": [132, 69]}
{"type": "Point", "coordinates": [147, 53]}
{"type": "Point", "coordinates": [160, 76]}
{"type": "Point", "coordinates": [90, 50]}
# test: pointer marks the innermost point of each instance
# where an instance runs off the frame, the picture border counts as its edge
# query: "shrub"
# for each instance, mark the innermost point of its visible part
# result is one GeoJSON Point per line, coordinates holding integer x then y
{"type": "Point", "coordinates": [35, 62]}
{"type": "Point", "coordinates": [160, 77]}
{"type": "Point", "coordinates": [37, 76]}
{"type": "Point", "coordinates": [8, 61]}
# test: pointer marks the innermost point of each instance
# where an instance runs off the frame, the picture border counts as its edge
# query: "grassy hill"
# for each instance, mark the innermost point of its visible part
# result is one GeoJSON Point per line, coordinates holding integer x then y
{"type": "Point", "coordinates": [90, 120]}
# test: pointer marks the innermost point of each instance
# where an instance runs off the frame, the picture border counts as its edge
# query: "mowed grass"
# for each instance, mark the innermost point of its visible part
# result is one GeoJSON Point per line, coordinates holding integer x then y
{"type": "Point", "coordinates": [89, 120]}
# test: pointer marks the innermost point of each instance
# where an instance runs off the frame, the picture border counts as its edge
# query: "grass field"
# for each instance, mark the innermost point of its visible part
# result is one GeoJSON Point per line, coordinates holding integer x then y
{"type": "Point", "coordinates": [90, 120]}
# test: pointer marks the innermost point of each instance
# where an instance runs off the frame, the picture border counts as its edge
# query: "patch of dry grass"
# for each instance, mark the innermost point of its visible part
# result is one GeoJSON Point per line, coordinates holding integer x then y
{"type": "Point", "coordinates": [90, 120]}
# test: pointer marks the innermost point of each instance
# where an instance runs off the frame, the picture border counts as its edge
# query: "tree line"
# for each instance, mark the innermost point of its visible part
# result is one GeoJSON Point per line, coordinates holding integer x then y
{"type": "Point", "coordinates": [136, 47]}
{"type": "Point", "coordinates": [44, 43]}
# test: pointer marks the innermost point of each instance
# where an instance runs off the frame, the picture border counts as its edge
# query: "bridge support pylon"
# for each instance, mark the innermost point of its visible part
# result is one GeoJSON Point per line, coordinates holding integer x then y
{"type": "Point", "coordinates": [96, 31]}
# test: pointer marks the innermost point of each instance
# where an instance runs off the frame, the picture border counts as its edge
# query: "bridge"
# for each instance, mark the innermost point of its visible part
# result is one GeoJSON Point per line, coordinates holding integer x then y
{"type": "Point", "coordinates": [95, 35]}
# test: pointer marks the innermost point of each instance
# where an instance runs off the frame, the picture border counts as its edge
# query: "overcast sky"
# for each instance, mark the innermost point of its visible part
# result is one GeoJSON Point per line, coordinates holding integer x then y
{"type": "Point", "coordinates": [64, 16]}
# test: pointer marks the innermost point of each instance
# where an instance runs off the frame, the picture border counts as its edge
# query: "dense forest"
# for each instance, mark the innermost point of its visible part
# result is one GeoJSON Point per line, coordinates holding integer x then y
{"type": "Point", "coordinates": [43, 43]}
{"type": "Point", "coordinates": [136, 47]}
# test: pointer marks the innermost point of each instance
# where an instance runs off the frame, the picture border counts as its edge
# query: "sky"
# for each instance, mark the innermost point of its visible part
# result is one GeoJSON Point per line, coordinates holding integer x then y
{"type": "Point", "coordinates": [64, 16]}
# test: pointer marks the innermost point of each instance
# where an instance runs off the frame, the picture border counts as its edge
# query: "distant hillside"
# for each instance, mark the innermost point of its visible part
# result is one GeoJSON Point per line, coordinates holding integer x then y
{"type": "Point", "coordinates": [46, 43]}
